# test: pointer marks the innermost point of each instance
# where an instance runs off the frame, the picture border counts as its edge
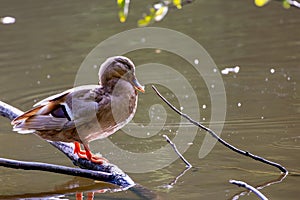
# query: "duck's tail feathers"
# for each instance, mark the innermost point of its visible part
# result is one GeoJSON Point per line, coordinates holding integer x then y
{"type": "Point", "coordinates": [19, 123]}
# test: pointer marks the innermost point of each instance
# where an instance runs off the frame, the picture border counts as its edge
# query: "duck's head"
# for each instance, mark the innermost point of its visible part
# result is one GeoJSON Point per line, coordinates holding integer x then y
{"type": "Point", "coordinates": [119, 67]}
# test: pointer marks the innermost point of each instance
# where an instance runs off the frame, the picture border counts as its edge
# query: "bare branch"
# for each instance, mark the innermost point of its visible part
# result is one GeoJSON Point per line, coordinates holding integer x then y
{"type": "Point", "coordinates": [260, 186]}
{"type": "Point", "coordinates": [249, 187]}
{"type": "Point", "coordinates": [188, 165]}
{"type": "Point", "coordinates": [213, 134]}
{"type": "Point", "coordinates": [294, 3]}
{"type": "Point", "coordinates": [97, 175]}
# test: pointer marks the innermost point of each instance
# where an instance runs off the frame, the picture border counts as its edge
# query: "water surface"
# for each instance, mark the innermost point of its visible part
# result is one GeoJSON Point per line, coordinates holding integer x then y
{"type": "Point", "coordinates": [41, 53]}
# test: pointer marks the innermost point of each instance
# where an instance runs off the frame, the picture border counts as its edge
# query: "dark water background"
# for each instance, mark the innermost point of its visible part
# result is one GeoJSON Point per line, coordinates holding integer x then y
{"type": "Point", "coordinates": [40, 55]}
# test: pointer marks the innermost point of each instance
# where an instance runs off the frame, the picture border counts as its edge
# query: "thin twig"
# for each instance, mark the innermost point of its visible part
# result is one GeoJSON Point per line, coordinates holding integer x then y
{"type": "Point", "coordinates": [249, 187]}
{"type": "Point", "coordinates": [213, 134]}
{"type": "Point", "coordinates": [188, 165]}
{"type": "Point", "coordinates": [259, 187]}
{"type": "Point", "coordinates": [294, 3]}
{"type": "Point", "coordinates": [291, 2]}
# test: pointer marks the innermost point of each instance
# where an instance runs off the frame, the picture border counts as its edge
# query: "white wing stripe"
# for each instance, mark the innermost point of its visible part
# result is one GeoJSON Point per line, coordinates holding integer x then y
{"type": "Point", "coordinates": [69, 111]}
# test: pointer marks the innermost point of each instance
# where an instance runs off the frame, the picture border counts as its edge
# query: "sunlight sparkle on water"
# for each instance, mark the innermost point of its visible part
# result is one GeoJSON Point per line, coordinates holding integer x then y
{"type": "Point", "coordinates": [235, 70]}
{"type": "Point", "coordinates": [7, 20]}
{"type": "Point", "coordinates": [272, 70]}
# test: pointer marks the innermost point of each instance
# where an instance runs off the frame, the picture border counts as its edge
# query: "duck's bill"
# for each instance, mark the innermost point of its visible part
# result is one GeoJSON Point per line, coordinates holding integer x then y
{"type": "Point", "coordinates": [138, 86]}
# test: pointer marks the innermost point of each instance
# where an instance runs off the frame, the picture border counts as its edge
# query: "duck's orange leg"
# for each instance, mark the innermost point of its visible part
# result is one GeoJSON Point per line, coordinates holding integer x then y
{"type": "Point", "coordinates": [87, 154]}
{"type": "Point", "coordinates": [78, 151]}
{"type": "Point", "coordinates": [79, 196]}
{"type": "Point", "coordinates": [90, 196]}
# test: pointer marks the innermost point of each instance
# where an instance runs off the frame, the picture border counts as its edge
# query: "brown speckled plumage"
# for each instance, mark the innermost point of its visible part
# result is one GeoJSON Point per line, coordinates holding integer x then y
{"type": "Point", "coordinates": [86, 113]}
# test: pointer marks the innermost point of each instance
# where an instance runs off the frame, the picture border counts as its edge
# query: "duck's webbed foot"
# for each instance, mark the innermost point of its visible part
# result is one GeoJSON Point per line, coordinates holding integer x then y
{"type": "Point", "coordinates": [87, 154]}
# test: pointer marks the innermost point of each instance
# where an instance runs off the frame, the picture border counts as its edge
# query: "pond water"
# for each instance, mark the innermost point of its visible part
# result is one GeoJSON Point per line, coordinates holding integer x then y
{"type": "Point", "coordinates": [41, 54]}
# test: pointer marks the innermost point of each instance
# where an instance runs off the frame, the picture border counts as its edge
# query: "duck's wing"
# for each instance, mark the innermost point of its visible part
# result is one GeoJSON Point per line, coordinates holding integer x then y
{"type": "Point", "coordinates": [53, 97]}
{"type": "Point", "coordinates": [50, 114]}
{"type": "Point", "coordinates": [55, 112]}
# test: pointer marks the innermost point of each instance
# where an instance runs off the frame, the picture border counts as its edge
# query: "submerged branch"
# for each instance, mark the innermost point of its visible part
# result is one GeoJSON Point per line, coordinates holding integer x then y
{"type": "Point", "coordinates": [249, 187]}
{"type": "Point", "coordinates": [213, 134]}
{"type": "Point", "coordinates": [175, 180]}
{"type": "Point", "coordinates": [188, 165]}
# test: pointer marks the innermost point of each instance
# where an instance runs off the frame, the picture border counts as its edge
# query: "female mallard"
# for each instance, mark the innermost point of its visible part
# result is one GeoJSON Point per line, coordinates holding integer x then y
{"type": "Point", "coordinates": [86, 113]}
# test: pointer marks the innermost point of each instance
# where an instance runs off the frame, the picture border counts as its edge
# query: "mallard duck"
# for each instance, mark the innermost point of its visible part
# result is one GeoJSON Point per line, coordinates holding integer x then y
{"type": "Point", "coordinates": [86, 113]}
